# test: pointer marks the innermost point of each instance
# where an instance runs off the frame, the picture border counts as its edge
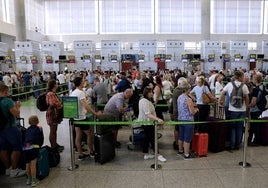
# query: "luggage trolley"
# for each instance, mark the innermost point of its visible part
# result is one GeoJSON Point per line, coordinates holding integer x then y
{"type": "Point", "coordinates": [136, 137]}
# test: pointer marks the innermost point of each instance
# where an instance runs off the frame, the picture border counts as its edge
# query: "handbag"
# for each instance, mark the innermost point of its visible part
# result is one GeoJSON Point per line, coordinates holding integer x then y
{"type": "Point", "coordinates": [163, 105]}
{"type": "Point", "coordinates": [205, 98]}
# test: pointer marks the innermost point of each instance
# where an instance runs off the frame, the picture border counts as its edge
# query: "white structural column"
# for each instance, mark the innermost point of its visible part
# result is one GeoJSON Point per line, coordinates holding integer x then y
{"type": "Point", "coordinates": [20, 23]}
{"type": "Point", "coordinates": [205, 19]}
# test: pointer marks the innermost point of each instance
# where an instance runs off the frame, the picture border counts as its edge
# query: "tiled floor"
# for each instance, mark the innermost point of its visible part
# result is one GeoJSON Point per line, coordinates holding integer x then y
{"type": "Point", "coordinates": [129, 169]}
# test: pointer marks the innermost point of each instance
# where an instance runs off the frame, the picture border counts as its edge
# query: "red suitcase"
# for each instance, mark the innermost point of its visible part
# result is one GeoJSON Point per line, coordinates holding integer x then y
{"type": "Point", "coordinates": [200, 144]}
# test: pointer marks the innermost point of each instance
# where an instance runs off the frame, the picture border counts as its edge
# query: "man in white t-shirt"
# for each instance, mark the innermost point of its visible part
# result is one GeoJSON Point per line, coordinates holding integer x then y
{"type": "Point", "coordinates": [239, 112]}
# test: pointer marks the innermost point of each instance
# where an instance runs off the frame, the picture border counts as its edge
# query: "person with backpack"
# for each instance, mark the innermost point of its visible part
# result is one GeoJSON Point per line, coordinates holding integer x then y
{"type": "Point", "coordinates": [10, 135]}
{"type": "Point", "coordinates": [53, 113]}
{"type": "Point", "coordinates": [238, 102]}
{"type": "Point", "coordinates": [255, 109]}
{"type": "Point", "coordinates": [34, 139]}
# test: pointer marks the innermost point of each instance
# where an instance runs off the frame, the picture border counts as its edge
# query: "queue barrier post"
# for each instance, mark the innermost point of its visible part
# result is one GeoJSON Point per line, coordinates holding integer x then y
{"type": "Point", "coordinates": [244, 163]}
{"type": "Point", "coordinates": [155, 166]}
{"type": "Point", "coordinates": [73, 166]}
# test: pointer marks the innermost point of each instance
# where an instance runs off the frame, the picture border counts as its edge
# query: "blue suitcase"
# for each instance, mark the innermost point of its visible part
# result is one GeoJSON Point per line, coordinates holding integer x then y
{"type": "Point", "coordinates": [42, 164]}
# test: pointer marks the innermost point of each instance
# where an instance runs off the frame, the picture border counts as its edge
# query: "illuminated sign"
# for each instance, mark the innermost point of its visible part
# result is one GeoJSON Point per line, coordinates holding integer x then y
{"type": "Point", "coordinates": [141, 58]}
{"type": "Point", "coordinates": [237, 57]}
{"type": "Point", "coordinates": [33, 59]}
{"type": "Point", "coordinates": [226, 57]}
{"type": "Point", "coordinates": [168, 56]}
{"type": "Point", "coordinates": [71, 58]}
{"type": "Point", "coordinates": [157, 56]}
{"type": "Point", "coordinates": [23, 59]}
{"type": "Point", "coordinates": [97, 56]}
{"type": "Point", "coordinates": [49, 59]}
{"type": "Point", "coordinates": [113, 57]}
{"type": "Point", "coordinates": [252, 57]}
{"type": "Point", "coordinates": [86, 58]}
{"type": "Point", "coordinates": [8, 59]}
{"type": "Point", "coordinates": [211, 57]}
{"type": "Point", "coordinates": [184, 58]}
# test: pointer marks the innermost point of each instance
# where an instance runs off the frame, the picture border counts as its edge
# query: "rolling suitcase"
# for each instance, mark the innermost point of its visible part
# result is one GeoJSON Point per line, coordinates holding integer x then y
{"type": "Point", "coordinates": [200, 144]}
{"type": "Point", "coordinates": [264, 132]}
{"type": "Point", "coordinates": [42, 164]}
{"type": "Point", "coordinates": [102, 129]}
{"type": "Point", "coordinates": [104, 147]}
{"type": "Point", "coordinates": [218, 134]}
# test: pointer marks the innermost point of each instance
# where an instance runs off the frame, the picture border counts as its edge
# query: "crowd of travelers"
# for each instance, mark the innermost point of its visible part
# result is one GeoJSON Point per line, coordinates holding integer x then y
{"type": "Point", "coordinates": [115, 93]}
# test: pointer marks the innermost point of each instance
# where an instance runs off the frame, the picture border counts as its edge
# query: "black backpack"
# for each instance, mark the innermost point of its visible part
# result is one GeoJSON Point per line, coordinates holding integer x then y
{"type": "Point", "coordinates": [41, 102]}
{"type": "Point", "coordinates": [3, 118]}
{"type": "Point", "coordinates": [53, 156]}
{"type": "Point", "coordinates": [262, 99]}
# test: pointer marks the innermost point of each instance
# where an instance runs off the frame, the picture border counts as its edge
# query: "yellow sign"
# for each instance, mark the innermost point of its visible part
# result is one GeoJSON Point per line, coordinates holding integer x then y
{"type": "Point", "coordinates": [168, 56]}
{"type": "Point", "coordinates": [141, 56]}
{"type": "Point", "coordinates": [8, 58]}
{"type": "Point", "coordinates": [48, 57]}
{"type": "Point", "coordinates": [184, 56]}
{"type": "Point", "coordinates": [71, 57]}
{"type": "Point", "coordinates": [23, 58]}
{"type": "Point", "coordinates": [211, 56]}
{"type": "Point", "coordinates": [86, 56]}
{"type": "Point", "coordinates": [33, 58]}
{"type": "Point", "coordinates": [237, 56]}
{"type": "Point", "coordinates": [157, 56]}
{"type": "Point", "coordinates": [97, 56]}
{"type": "Point", "coordinates": [252, 56]}
{"type": "Point", "coordinates": [113, 56]}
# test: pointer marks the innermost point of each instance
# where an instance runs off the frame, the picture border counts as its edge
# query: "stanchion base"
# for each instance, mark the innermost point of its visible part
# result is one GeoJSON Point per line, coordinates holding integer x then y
{"type": "Point", "coordinates": [247, 164]}
{"type": "Point", "coordinates": [153, 167]}
{"type": "Point", "coordinates": [73, 168]}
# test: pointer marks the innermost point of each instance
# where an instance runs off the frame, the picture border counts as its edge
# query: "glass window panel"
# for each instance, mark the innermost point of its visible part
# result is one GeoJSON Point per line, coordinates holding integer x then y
{"type": "Point", "coordinates": [126, 16]}
{"type": "Point", "coordinates": [174, 15]}
{"type": "Point", "coordinates": [73, 17]}
{"type": "Point", "coordinates": [236, 16]}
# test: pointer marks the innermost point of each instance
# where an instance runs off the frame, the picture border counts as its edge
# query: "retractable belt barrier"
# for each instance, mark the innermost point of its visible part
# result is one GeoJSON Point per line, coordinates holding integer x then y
{"type": "Point", "coordinates": [155, 166]}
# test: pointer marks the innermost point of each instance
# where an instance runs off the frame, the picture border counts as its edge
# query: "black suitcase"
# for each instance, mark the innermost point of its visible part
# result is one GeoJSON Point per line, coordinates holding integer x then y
{"type": "Point", "coordinates": [218, 134]}
{"type": "Point", "coordinates": [104, 147]}
{"type": "Point", "coordinates": [102, 129]}
{"type": "Point", "coordinates": [264, 132]}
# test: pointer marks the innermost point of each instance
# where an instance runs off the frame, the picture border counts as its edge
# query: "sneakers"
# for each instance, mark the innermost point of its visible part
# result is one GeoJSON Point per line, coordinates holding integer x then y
{"type": "Point", "coordinates": [34, 183]}
{"type": "Point", "coordinates": [148, 156]}
{"type": "Point", "coordinates": [161, 158]}
{"type": "Point", "coordinates": [180, 153]}
{"type": "Point", "coordinates": [8, 171]}
{"type": "Point", "coordinates": [17, 173]}
{"type": "Point", "coordinates": [83, 157]}
{"type": "Point", "coordinates": [92, 154]}
{"type": "Point", "coordinates": [189, 157]}
{"type": "Point", "coordinates": [29, 181]}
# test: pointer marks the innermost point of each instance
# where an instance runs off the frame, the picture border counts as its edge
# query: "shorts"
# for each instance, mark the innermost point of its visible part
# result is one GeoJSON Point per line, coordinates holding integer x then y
{"type": "Point", "coordinates": [11, 139]}
{"type": "Point", "coordinates": [30, 155]}
{"type": "Point", "coordinates": [186, 132]}
{"type": "Point", "coordinates": [85, 127]}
